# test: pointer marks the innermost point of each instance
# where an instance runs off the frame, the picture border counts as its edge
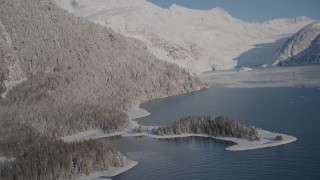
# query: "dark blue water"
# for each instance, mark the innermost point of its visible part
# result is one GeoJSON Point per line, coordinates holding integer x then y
{"type": "Point", "coordinates": [294, 111]}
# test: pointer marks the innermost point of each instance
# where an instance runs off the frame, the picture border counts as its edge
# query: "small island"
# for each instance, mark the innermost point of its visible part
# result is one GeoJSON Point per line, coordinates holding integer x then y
{"type": "Point", "coordinates": [221, 128]}
{"type": "Point", "coordinates": [217, 127]}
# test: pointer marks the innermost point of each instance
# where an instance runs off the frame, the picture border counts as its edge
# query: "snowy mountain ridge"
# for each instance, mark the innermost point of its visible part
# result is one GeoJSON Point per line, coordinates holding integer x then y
{"type": "Point", "coordinates": [302, 48]}
{"type": "Point", "coordinates": [197, 40]}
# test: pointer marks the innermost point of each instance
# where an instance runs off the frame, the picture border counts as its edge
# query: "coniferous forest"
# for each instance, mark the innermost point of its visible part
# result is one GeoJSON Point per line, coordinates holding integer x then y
{"type": "Point", "coordinates": [217, 127]}
{"type": "Point", "coordinates": [38, 156]}
{"type": "Point", "coordinates": [61, 75]}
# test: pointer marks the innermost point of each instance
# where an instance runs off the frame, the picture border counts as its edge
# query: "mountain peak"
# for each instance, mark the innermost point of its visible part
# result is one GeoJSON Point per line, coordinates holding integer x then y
{"type": "Point", "coordinates": [222, 13]}
{"type": "Point", "coordinates": [220, 10]}
{"type": "Point", "coordinates": [176, 7]}
{"type": "Point", "coordinates": [302, 18]}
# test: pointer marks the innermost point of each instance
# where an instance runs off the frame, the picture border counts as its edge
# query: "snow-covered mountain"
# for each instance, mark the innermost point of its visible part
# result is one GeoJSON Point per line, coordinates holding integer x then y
{"type": "Point", "coordinates": [312, 55]}
{"type": "Point", "coordinates": [53, 63]}
{"type": "Point", "coordinates": [302, 48]}
{"type": "Point", "coordinates": [198, 40]}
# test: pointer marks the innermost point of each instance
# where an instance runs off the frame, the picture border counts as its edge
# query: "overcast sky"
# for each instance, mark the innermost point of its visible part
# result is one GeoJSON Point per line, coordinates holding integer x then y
{"type": "Point", "coordinates": [253, 10]}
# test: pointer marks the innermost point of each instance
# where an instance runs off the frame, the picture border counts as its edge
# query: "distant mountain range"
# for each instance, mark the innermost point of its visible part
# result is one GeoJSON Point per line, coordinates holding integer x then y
{"type": "Point", "coordinates": [302, 48]}
{"type": "Point", "coordinates": [197, 40]}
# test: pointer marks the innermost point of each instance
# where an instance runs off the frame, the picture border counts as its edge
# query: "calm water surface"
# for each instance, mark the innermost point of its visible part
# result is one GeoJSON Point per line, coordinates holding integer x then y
{"type": "Point", "coordinates": [294, 111]}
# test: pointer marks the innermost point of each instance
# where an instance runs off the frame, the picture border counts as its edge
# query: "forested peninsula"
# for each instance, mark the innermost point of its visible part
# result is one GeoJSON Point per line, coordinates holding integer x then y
{"type": "Point", "coordinates": [216, 127]}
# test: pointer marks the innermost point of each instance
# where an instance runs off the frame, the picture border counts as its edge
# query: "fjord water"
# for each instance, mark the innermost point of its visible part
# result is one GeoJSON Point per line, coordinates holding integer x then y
{"type": "Point", "coordinates": [293, 111]}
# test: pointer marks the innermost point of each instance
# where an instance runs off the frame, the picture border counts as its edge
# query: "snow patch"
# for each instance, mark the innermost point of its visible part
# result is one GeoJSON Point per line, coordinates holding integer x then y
{"type": "Point", "coordinates": [245, 69]}
{"type": "Point", "coordinates": [13, 74]}
{"type": "Point", "coordinates": [113, 171]}
{"type": "Point", "coordinates": [136, 112]}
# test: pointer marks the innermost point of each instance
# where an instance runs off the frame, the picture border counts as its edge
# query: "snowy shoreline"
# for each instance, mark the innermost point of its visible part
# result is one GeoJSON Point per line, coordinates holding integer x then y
{"type": "Point", "coordinates": [135, 112]}
{"type": "Point", "coordinates": [268, 139]}
{"type": "Point", "coordinates": [113, 171]}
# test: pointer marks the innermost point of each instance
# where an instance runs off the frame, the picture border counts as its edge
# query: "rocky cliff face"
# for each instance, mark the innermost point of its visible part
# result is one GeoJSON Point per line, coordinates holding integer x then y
{"type": "Point", "coordinates": [302, 47]}
{"type": "Point", "coordinates": [63, 74]}
{"type": "Point", "coordinates": [312, 54]}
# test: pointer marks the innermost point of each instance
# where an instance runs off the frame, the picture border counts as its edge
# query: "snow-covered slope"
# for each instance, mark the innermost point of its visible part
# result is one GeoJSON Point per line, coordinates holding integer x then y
{"type": "Point", "coordinates": [53, 63]}
{"type": "Point", "coordinates": [312, 55]}
{"type": "Point", "coordinates": [10, 70]}
{"type": "Point", "coordinates": [197, 40]}
{"type": "Point", "coordinates": [302, 48]}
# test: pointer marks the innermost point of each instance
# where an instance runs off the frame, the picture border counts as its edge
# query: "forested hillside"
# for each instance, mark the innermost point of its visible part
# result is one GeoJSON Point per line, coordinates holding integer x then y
{"type": "Point", "coordinates": [40, 157]}
{"type": "Point", "coordinates": [59, 75]}
{"type": "Point", "coordinates": [63, 75]}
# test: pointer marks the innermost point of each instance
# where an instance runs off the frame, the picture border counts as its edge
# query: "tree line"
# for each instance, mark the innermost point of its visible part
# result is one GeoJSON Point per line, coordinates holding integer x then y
{"type": "Point", "coordinates": [218, 127]}
{"type": "Point", "coordinates": [38, 156]}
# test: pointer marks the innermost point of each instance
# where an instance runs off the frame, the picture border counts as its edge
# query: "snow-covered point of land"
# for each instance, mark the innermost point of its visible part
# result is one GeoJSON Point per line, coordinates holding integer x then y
{"type": "Point", "coordinates": [245, 69]}
{"type": "Point", "coordinates": [197, 40]}
{"type": "Point", "coordinates": [267, 139]}
{"type": "Point", "coordinates": [137, 112]}
{"type": "Point", "coordinates": [134, 113]}
{"type": "Point", "coordinates": [302, 47]}
{"type": "Point", "coordinates": [113, 171]}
